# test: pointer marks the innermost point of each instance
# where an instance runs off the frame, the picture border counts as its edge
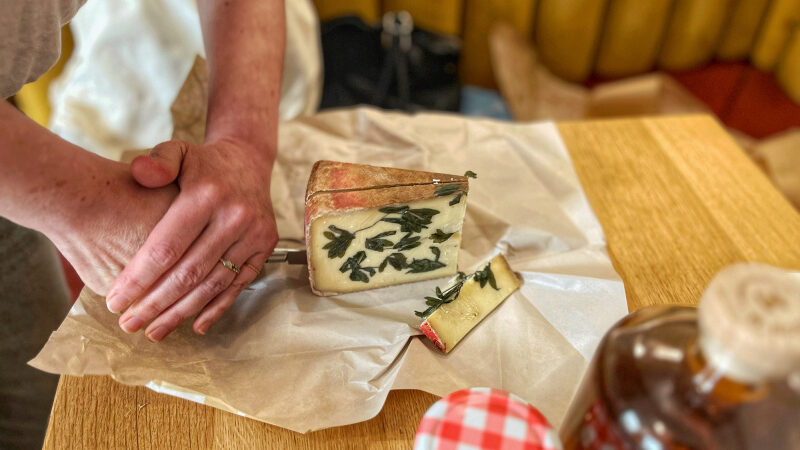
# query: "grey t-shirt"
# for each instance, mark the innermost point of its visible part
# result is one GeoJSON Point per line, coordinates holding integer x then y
{"type": "Point", "coordinates": [30, 39]}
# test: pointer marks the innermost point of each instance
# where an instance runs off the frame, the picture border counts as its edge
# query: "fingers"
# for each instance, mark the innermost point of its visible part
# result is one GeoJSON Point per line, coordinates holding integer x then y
{"type": "Point", "coordinates": [195, 301]}
{"type": "Point", "coordinates": [160, 252]}
{"type": "Point", "coordinates": [198, 273]}
{"type": "Point", "coordinates": [214, 310]}
{"type": "Point", "coordinates": [162, 166]}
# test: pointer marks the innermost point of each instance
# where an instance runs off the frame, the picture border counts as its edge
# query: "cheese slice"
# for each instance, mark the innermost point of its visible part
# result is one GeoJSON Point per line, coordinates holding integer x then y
{"type": "Point", "coordinates": [369, 227]}
{"type": "Point", "coordinates": [450, 322]}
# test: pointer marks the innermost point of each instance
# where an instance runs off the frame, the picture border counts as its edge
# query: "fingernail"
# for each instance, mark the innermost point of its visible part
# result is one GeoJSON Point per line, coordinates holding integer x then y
{"type": "Point", "coordinates": [202, 328]}
{"type": "Point", "coordinates": [131, 324]}
{"type": "Point", "coordinates": [157, 334]}
{"type": "Point", "coordinates": [114, 303]}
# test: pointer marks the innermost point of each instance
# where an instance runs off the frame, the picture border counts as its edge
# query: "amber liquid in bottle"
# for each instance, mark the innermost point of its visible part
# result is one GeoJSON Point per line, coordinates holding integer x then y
{"type": "Point", "coordinates": [650, 387]}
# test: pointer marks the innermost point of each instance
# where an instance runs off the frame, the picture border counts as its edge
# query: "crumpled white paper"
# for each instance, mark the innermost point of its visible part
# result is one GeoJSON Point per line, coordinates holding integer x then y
{"type": "Point", "coordinates": [289, 358]}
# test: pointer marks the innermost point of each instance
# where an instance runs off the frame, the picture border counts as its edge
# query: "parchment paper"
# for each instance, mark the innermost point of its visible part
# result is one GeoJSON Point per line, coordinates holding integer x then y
{"type": "Point", "coordinates": [289, 358]}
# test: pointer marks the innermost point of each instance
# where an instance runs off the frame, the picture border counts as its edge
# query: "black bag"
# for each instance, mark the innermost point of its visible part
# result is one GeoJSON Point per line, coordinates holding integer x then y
{"type": "Point", "coordinates": [393, 66]}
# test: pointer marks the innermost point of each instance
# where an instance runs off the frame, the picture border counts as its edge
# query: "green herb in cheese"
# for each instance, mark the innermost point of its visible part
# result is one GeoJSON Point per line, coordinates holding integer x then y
{"type": "Point", "coordinates": [453, 313]}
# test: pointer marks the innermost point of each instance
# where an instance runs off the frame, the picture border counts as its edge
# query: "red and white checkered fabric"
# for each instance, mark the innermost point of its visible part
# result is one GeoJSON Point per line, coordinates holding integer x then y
{"type": "Point", "coordinates": [484, 418]}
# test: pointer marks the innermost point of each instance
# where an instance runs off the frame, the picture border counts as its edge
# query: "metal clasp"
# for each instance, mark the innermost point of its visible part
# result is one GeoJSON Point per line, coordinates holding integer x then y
{"type": "Point", "coordinates": [398, 24]}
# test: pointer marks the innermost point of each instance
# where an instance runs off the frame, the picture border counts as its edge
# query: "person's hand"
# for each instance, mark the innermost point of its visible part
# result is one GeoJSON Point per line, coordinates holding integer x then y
{"type": "Point", "coordinates": [90, 207]}
{"type": "Point", "coordinates": [115, 217]}
{"type": "Point", "coordinates": [223, 212]}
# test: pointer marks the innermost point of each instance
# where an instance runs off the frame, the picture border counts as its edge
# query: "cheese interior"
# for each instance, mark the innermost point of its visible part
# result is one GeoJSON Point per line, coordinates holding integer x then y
{"type": "Point", "coordinates": [452, 321]}
{"type": "Point", "coordinates": [326, 274]}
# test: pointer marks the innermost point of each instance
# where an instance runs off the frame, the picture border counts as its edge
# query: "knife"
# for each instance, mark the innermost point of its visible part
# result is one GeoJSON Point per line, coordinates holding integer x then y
{"type": "Point", "coordinates": [287, 255]}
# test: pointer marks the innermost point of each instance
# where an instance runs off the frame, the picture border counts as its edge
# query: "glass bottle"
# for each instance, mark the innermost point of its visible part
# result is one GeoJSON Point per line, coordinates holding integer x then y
{"type": "Point", "coordinates": [723, 376]}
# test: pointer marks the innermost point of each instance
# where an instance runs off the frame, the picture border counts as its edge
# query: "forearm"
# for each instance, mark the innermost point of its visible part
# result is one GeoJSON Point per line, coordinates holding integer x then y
{"type": "Point", "coordinates": [244, 41]}
{"type": "Point", "coordinates": [44, 180]}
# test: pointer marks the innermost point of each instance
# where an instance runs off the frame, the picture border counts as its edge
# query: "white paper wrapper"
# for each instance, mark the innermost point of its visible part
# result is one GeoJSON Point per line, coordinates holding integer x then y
{"type": "Point", "coordinates": [287, 357]}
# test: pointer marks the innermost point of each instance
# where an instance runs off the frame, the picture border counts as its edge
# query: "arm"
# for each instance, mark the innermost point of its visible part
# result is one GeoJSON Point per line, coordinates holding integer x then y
{"type": "Point", "coordinates": [224, 208]}
{"type": "Point", "coordinates": [244, 43]}
{"type": "Point", "coordinates": [88, 206]}
{"type": "Point", "coordinates": [38, 187]}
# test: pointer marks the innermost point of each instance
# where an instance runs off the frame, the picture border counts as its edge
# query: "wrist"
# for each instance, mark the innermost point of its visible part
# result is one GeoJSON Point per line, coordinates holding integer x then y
{"type": "Point", "coordinates": [87, 197]}
{"type": "Point", "coordinates": [255, 128]}
{"type": "Point", "coordinates": [250, 141]}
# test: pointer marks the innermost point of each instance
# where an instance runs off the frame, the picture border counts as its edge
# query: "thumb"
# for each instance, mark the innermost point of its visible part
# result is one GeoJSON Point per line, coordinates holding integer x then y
{"type": "Point", "coordinates": [162, 166]}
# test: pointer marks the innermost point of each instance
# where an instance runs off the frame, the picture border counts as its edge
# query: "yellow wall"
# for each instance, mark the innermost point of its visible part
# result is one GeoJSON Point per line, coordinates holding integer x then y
{"type": "Point", "coordinates": [739, 34]}
{"type": "Point", "coordinates": [480, 16]}
{"type": "Point", "coordinates": [566, 36]}
{"type": "Point", "coordinates": [773, 35]}
{"type": "Point", "coordinates": [693, 33]}
{"type": "Point", "coordinates": [631, 36]}
{"type": "Point", "coordinates": [788, 68]}
{"type": "Point", "coordinates": [368, 10]}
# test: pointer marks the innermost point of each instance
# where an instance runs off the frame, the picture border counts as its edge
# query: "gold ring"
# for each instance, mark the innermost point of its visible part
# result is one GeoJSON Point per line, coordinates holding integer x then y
{"type": "Point", "coordinates": [229, 265]}
{"type": "Point", "coordinates": [252, 267]}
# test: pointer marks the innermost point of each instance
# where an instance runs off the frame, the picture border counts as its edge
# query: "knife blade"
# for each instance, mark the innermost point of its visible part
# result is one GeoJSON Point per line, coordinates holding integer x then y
{"type": "Point", "coordinates": [287, 255]}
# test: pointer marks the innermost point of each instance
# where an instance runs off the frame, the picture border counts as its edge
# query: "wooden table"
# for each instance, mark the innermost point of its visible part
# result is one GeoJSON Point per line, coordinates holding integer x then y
{"type": "Point", "coordinates": [678, 201]}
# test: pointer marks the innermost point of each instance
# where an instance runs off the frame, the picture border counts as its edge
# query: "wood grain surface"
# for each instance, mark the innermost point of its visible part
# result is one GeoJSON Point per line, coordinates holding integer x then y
{"type": "Point", "coordinates": [678, 200]}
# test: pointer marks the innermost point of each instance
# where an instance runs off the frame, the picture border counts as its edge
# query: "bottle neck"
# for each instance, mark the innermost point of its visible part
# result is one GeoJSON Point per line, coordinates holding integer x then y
{"type": "Point", "coordinates": [724, 360]}
{"type": "Point", "coordinates": [718, 380]}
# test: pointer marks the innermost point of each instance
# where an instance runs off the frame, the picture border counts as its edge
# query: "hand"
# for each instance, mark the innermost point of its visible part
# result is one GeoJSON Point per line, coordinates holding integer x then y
{"type": "Point", "coordinates": [89, 206]}
{"type": "Point", "coordinates": [223, 211]}
{"type": "Point", "coordinates": [112, 223]}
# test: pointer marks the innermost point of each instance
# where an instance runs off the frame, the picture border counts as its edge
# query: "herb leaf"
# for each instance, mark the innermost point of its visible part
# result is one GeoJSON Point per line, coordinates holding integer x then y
{"type": "Point", "coordinates": [492, 281]}
{"type": "Point", "coordinates": [353, 264]}
{"type": "Point", "coordinates": [393, 209]}
{"type": "Point", "coordinates": [446, 189]}
{"type": "Point", "coordinates": [426, 313]}
{"type": "Point", "coordinates": [340, 241]}
{"type": "Point", "coordinates": [483, 277]}
{"type": "Point", "coordinates": [407, 242]}
{"type": "Point", "coordinates": [442, 297]}
{"type": "Point", "coordinates": [436, 252]}
{"type": "Point", "coordinates": [440, 236]}
{"type": "Point", "coordinates": [406, 226]}
{"type": "Point", "coordinates": [470, 174]}
{"type": "Point", "coordinates": [486, 276]}
{"type": "Point", "coordinates": [411, 220]}
{"type": "Point", "coordinates": [424, 265]}
{"type": "Point", "coordinates": [396, 260]}
{"type": "Point", "coordinates": [377, 243]}
{"type": "Point", "coordinates": [456, 200]}
{"type": "Point", "coordinates": [423, 213]}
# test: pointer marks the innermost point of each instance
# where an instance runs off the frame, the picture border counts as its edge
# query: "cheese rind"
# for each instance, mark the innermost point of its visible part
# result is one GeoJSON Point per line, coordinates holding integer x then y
{"type": "Point", "coordinates": [347, 198]}
{"type": "Point", "coordinates": [332, 176]}
{"type": "Point", "coordinates": [452, 321]}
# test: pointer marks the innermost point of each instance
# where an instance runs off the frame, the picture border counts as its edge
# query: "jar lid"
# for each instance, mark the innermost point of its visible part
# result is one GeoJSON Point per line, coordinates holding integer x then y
{"type": "Point", "coordinates": [749, 319]}
{"type": "Point", "coordinates": [484, 418]}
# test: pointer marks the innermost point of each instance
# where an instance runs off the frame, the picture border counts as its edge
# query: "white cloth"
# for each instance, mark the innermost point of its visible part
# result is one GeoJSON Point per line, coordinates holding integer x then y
{"type": "Point", "coordinates": [30, 39]}
{"type": "Point", "coordinates": [131, 58]}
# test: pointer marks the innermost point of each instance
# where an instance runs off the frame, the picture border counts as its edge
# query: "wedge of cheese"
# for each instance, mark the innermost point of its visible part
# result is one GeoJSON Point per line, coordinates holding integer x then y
{"type": "Point", "coordinates": [369, 227]}
{"type": "Point", "coordinates": [478, 296]}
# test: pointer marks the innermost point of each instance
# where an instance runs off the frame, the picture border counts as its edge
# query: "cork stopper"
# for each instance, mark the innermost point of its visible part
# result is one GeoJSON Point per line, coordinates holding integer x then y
{"type": "Point", "coordinates": [749, 319]}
